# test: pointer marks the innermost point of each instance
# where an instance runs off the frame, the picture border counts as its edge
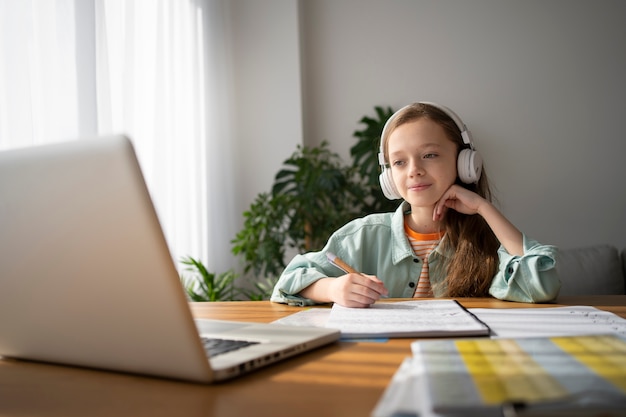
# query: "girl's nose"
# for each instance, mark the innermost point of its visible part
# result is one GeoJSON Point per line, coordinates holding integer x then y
{"type": "Point", "coordinates": [416, 169]}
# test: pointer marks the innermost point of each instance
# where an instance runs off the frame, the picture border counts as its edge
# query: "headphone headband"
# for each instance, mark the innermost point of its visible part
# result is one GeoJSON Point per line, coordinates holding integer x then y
{"type": "Point", "coordinates": [465, 133]}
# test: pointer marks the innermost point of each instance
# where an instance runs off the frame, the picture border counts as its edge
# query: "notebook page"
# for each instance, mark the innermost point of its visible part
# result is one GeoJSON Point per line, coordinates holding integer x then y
{"type": "Point", "coordinates": [423, 318]}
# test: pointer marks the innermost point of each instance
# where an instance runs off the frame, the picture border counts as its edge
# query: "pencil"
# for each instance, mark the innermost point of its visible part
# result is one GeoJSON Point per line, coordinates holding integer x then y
{"type": "Point", "coordinates": [339, 263]}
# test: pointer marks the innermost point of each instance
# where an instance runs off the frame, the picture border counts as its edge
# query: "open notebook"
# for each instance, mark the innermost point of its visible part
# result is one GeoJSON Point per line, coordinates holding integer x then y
{"type": "Point", "coordinates": [87, 278]}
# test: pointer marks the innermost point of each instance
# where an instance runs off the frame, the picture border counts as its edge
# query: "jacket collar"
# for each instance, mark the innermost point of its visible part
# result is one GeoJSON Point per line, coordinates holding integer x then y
{"type": "Point", "coordinates": [401, 248]}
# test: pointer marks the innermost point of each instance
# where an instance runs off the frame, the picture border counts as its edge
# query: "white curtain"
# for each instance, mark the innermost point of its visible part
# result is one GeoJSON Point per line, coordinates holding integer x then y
{"type": "Point", "coordinates": [152, 69]}
{"type": "Point", "coordinates": [38, 89]}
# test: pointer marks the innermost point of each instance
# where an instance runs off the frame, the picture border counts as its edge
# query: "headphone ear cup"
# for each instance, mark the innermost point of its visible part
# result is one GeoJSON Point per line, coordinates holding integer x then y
{"type": "Point", "coordinates": [469, 166]}
{"type": "Point", "coordinates": [388, 187]}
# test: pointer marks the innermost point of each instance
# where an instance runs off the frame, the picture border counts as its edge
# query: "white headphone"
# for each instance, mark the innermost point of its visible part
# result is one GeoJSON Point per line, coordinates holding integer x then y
{"type": "Point", "coordinates": [469, 161]}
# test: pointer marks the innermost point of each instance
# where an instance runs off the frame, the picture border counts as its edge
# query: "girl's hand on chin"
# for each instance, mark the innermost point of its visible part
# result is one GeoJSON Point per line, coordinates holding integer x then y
{"type": "Point", "coordinates": [458, 199]}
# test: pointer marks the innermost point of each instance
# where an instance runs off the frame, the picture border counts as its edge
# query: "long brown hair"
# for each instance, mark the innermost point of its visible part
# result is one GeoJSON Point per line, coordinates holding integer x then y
{"type": "Point", "coordinates": [472, 245]}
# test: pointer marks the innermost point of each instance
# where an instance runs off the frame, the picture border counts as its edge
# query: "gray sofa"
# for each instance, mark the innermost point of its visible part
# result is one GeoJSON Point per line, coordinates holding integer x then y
{"type": "Point", "coordinates": [592, 270]}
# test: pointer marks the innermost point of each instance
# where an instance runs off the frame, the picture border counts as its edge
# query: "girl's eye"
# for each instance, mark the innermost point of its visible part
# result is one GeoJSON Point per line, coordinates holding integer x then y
{"type": "Point", "coordinates": [430, 155]}
{"type": "Point", "coordinates": [398, 163]}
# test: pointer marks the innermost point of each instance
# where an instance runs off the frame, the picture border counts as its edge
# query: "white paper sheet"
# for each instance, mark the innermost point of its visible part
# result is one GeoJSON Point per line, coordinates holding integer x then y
{"type": "Point", "coordinates": [550, 321]}
{"type": "Point", "coordinates": [314, 317]}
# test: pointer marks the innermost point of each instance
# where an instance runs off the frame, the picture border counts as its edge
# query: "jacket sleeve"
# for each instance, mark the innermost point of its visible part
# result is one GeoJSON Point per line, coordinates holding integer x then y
{"type": "Point", "coordinates": [530, 278]}
{"type": "Point", "coordinates": [305, 269]}
{"type": "Point", "coordinates": [302, 271]}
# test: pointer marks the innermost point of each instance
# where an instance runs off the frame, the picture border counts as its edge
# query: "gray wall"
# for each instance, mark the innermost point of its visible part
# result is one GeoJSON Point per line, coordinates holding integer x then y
{"type": "Point", "coordinates": [539, 83]}
{"type": "Point", "coordinates": [267, 112]}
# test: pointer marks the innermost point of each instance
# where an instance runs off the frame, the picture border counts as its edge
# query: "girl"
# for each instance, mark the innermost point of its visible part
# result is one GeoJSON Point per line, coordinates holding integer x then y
{"type": "Point", "coordinates": [445, 240]}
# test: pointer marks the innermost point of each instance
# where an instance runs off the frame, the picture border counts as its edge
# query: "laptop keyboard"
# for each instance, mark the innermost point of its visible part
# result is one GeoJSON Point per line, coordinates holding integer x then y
{"type": "Point", "coordinates": [215, 346]}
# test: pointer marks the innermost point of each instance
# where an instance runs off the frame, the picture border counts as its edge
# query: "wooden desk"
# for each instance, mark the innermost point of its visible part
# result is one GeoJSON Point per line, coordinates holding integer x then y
{"type": "Point", "coordinates": [343, 379]}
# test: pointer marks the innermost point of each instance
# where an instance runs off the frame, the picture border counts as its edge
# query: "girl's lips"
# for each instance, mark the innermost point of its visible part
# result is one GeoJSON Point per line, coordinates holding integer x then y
{"type": "Point", "coordinates": [419, 187]}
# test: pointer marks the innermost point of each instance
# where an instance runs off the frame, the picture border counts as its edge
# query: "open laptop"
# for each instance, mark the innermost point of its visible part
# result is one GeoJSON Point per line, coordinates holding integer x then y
{"type": "Point", "coordinates": [86, 277]}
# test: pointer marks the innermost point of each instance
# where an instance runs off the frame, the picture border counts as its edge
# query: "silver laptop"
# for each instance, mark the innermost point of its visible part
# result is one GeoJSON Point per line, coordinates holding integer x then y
{"type": "Point", "coordinates": [86, 277]}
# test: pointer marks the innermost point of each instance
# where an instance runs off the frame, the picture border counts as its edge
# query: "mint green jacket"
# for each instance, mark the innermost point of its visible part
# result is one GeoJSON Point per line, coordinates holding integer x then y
{"type": "Point", "coordinates": [377, 245]}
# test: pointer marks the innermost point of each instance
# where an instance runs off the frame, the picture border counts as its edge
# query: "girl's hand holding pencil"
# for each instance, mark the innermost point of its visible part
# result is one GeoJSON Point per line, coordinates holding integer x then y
{"type": "Point", "coordinates": [354, 289]}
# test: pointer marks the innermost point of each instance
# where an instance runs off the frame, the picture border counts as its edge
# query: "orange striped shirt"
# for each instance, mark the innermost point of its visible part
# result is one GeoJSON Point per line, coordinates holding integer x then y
{"type": "Point", "coordinates": [423, 244]}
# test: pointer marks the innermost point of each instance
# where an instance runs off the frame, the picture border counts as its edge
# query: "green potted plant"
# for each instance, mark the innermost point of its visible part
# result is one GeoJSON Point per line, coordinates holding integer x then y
{"type": "Point", "coordinates": [312, 195]}
{"type": "Point", "coordinates": [365, 160]}
{"type": "Point", "coordinates": [203, 285]}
